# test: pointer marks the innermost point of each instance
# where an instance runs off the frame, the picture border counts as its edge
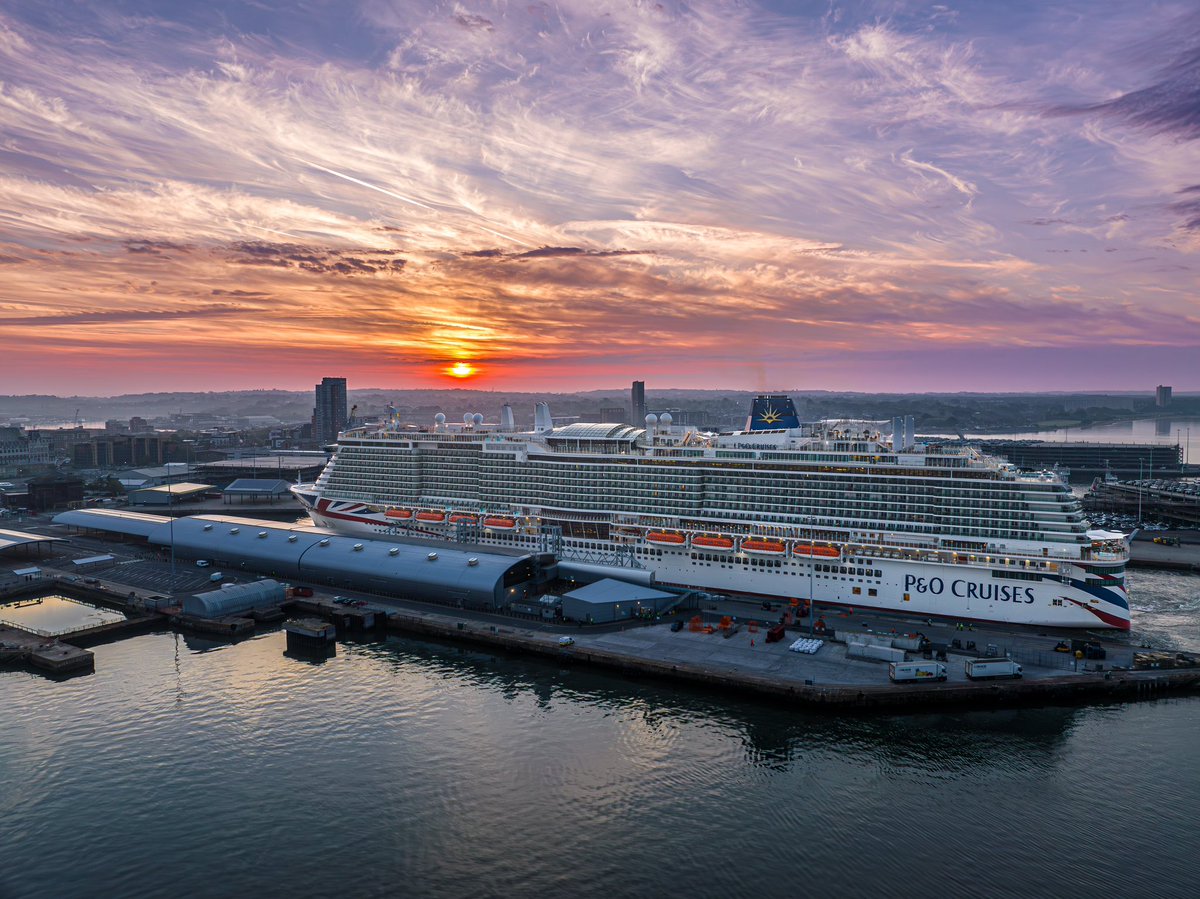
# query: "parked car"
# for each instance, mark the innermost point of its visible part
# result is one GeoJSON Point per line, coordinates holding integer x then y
{"type": "Point", "coordinates": [202, 563]}
{"type": "Point", "coordinates": [676, 626]}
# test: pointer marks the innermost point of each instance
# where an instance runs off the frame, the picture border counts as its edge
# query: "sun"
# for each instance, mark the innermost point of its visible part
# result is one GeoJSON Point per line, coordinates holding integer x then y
{"type": "Point", "coordinates": [461, 370]}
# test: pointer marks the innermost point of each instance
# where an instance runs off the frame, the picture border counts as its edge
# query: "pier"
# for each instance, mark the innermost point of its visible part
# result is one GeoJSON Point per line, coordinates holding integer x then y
{"type": "Point", "coordinates": [748, 665]}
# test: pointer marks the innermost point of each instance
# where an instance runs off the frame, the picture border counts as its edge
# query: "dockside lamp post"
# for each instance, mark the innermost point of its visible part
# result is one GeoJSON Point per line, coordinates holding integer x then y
{"type": "Point", "coordinates": [812, 601]}
{"type": "Point", "coordinates": [1141, 486]}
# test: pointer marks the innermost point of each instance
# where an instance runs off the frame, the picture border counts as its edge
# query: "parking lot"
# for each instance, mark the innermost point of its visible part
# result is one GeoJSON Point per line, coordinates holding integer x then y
{"type": "Point", "coordinates": [156, 577]}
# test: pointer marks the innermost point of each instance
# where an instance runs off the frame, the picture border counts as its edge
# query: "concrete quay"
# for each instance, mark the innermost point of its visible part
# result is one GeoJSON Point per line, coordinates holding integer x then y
{"type": "Point", "coordinates": [747, 665]}
{"type": "Point", "coordinates": [45, 654]}
{"type": "Point", "coordinates": [1145, 553]}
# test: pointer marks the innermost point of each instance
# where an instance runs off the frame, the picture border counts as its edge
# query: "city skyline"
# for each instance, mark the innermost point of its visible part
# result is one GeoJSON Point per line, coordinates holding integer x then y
{"type": "Point", "coordinates": [861, 196]}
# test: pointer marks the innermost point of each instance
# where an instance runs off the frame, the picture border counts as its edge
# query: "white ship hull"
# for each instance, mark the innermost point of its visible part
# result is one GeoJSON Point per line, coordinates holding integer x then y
{"type": "Point", "coordinates": [966, 592]}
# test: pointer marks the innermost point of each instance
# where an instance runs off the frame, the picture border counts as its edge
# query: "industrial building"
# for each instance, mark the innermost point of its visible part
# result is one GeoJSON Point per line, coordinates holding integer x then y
{"type": "Point", "coordinates": [168, 494]}
{"type": "Point", "coordinates": [1089, 460]}
{"type": "Point", "coordinates": [455, 575]}
{"type": "Point", "coordinates": [235, 600]}
{"type": "Point", "coordinates": [287, 466]}
{"type": "Point", "coordinates": [257, 490]}
{"type": "Point", "coordinates": [610, 600]}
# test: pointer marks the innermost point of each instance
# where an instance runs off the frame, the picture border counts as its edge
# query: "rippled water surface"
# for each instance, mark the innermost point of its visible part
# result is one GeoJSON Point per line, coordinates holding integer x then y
{"type": "Point", "coordinates": [410, 768]}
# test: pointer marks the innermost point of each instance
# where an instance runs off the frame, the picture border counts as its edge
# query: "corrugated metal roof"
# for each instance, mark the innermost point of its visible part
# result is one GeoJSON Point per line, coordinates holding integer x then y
{"type": "Point", "coordinates": [10, 539]}
{"type": "Point", "coordinates": [235, 599]}
{"type": "Point", "coordinates": [439, 573]}
{"type": "Point", "coordinates": [184, 488]}
{"type": "Point", "coordinates": [114, 521]}
{"type": "Point", "coordinates": [436, 572]}
{"type": "Point", "coordinates": [259, 486]}
{"type": "Point", "coordinates": [609, 590]}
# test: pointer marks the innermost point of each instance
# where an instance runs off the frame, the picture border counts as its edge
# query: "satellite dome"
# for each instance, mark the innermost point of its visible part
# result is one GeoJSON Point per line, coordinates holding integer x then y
{"type": "Point", "coordinates": [665, 418]}
{"type": "Point", "coordinates": [477, 418]}
{"type": "Point", "coordinates": [440, 418]}
{"type": "Point", "coordinates": [651, 419]}
{"type": "Point", "coordinates": [466, 418]}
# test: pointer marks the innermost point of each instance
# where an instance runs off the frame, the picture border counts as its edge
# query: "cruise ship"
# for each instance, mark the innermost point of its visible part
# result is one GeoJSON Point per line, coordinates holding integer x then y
{"type": "Point", "coordinates": [838, 513]}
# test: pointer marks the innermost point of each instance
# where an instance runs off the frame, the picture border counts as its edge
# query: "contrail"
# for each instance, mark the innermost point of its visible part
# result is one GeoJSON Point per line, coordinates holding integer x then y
{"type": "Point", "coordinates": [410, 200]}
{"type": "Point", "coordinates": [382, 190]}
{"type": "Point", "coordinates": [507, 237]}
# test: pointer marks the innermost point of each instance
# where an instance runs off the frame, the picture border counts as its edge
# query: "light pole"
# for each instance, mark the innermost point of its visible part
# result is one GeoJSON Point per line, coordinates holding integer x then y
{"type": "Point", "coordinates": [812, 600]}
{"type": "Point", "coordinates": [171, 525]}
{"type": "Point", "coordinates": [1140, 485]}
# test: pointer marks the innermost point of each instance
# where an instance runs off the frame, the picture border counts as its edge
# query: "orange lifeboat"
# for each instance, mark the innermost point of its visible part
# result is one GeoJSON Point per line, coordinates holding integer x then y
{"type": "Point", "coordinates": [829, 552]}
{"type": "Point", "coordinates": [500, 524]}
{"type": "Point", "coordinates": [664, 538]}
{"type": "Point", "coordinates": [431, 516]}
{"type": "Point", "coordinates": [402, 514]}
{"type": "Point", "coordinates": [719, 543]}
{"type": "Point", "coordinates": [763, 547]}
{"type": "Point", "coordinates": [462, 518]}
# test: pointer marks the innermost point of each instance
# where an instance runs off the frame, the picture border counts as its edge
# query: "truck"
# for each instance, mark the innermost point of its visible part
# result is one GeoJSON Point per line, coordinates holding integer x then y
{"type": "Point", "coordinates": [984, 669]}
{"type": "Point", "coordinates": [905, 672]}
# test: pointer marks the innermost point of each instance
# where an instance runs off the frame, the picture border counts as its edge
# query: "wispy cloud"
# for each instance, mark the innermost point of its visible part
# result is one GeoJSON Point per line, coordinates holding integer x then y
{"type": "Point", "coordinates": [674, 187]}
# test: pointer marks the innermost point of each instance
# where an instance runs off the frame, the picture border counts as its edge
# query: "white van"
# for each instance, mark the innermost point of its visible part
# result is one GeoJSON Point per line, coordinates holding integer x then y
{"type": "Point", "coordinates": [201, 563]}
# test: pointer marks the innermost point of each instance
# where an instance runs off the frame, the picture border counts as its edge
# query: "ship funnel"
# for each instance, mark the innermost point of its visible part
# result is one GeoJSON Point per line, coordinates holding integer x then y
{"type": "Point", "coordinates": [541, 418]}
{"type": "Point", "coordinates": [772, 412]}
{"type": "Point", "coordinates": [506, 419]}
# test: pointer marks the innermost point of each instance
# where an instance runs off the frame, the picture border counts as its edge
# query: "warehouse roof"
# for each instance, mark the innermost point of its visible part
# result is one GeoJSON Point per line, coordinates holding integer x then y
{"type": "Point", "coordinates": [9, 539]}
{"type": "Point", "coordinates": [258, 487]}
{"type": "Point", "coordinates": [609, 590]}
{"type": "Point", "coordinates": [114, 521]}
{"type": "Point", "coordinates": [185, 488]}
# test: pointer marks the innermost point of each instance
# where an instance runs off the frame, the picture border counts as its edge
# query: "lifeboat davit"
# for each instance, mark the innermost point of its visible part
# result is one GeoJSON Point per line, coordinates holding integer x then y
{"type": "Point", "coordinates": [500, 524]}
{"type": "Point", "coordinates": [431, 516]}
{"type": "Point", "coordinates": [463, 518]}
{"type": "Point", "coordinates": [723, 544]}
{"type": "Point", "coordinates": [763, 547]}
{"type": "Point", "coordinates": [402, 514]}
{"type": "Point", "coordinates": [802, 549]}
{"type": "Point", "coordinates": [663, 538]}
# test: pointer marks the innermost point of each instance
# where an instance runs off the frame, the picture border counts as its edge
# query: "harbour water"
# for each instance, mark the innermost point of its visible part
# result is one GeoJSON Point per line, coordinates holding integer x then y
{"type": "Point", "coordinates": [188, 767]}
{"type": "Point", "coordinates": [54, 615]}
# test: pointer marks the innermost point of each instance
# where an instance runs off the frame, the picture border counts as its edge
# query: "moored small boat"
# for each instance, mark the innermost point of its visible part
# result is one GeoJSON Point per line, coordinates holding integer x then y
{"type": "Point", "coordinates": [401, 514]}
{"type": "Point", "coordinates": [500, 524]}
{"type": "Point", "coordinates": [665, 538]}
{"type": "Point", "coordinates": [431, 516]}
{"type": "Point", "coordinates": [463, 518]}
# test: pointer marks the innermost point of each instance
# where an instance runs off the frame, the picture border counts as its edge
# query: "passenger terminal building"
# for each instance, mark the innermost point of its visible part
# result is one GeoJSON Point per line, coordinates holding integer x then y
{"type": "Point", "coordinates": [459, 576]}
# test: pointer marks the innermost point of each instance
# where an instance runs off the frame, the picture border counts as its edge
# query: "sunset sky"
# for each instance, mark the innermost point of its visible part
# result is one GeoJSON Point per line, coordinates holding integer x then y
{"type": "Point", "coordinates": [561, 196]}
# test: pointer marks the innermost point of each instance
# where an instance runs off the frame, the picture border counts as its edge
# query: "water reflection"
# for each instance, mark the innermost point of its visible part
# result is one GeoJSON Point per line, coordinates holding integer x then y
{"type": "Point", "coordinates": [51, 616]}
{"type": "Point", "coordinates": [771, 734]}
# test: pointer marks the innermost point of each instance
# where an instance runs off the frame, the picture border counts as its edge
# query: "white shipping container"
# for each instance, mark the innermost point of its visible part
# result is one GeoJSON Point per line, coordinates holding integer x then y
{"type": "Point", "coordinates": [979, 669]}
{"type": "Point", "coordinates": [901, 672]}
